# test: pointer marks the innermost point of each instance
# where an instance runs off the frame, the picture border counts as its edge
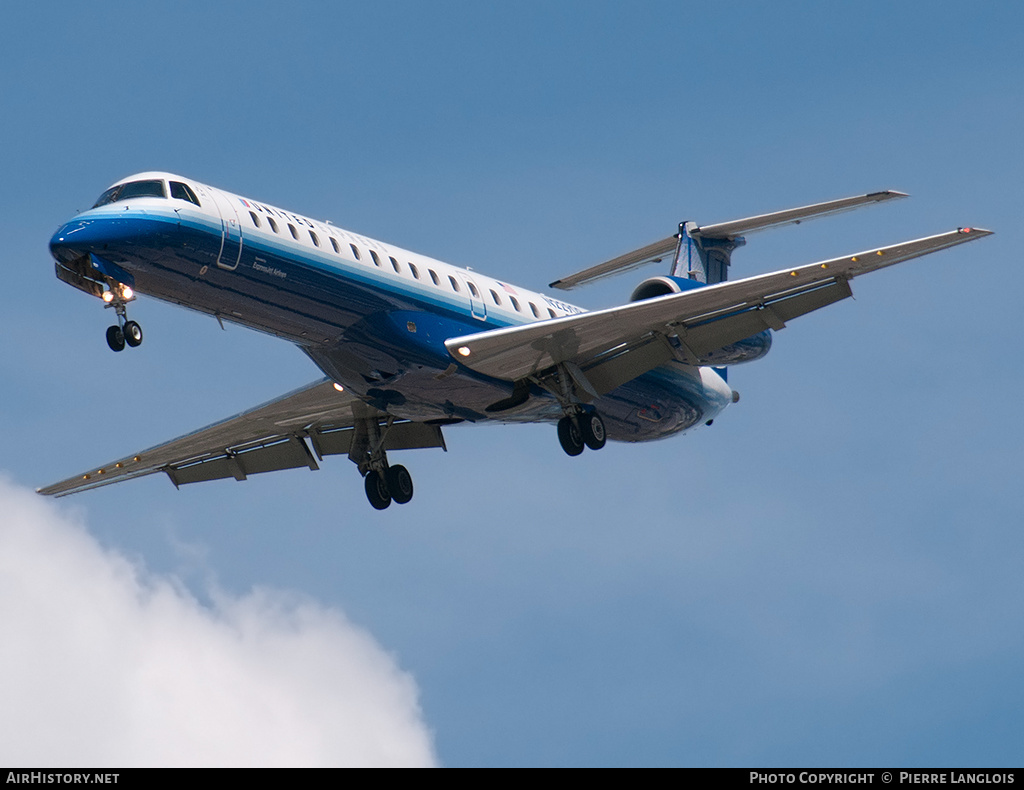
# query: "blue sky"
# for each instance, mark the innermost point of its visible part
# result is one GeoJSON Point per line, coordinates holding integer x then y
{"type": "Point", "coordinates": [830, 575]}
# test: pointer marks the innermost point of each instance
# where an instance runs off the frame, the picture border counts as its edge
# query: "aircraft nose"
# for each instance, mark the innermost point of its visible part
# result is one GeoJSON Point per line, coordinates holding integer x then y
{"type": "Point", "coordinates": [72, 240]}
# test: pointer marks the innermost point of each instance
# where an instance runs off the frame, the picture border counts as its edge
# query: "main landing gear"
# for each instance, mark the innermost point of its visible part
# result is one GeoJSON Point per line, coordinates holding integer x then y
{"type": "Point", "coordinates": [393, 484]}
{"type": "Point", "coordinates": [124, 332]}
{"type": "Point", "coordinates": [581, 426]}
{"type": "Point", "coordinates": [584, 429]}
{"type": "Point", "coordinates": [384, 483]}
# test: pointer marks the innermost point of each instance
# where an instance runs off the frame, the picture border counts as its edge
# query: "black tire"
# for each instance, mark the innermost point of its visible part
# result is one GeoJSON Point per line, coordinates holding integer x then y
{"type": "Point", "coordinates": [133, 334]}
{"type": "Point", "coordinates": [377, 491]}
{"type": "Point", "coordinates": [592, 428]}
{"type": "Point", "coordinates": [115, 338]}
{"type": "Point", "coordinates": [399, 484]}
{"type": "Point", "coordinates": [569, 436]}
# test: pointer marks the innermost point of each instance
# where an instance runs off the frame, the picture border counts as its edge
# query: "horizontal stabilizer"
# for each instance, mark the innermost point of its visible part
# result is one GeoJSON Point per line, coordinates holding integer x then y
{"type": "Point", "coordinates": [659, 250]}
{"type": "Point", "coordinates": [792, 216]}
{"type": "Point", "coordinates": [652, 253]}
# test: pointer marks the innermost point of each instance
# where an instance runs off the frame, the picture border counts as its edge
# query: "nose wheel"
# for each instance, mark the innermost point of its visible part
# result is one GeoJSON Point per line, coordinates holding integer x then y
{"type": "Point", "coordinates": [115, 338]}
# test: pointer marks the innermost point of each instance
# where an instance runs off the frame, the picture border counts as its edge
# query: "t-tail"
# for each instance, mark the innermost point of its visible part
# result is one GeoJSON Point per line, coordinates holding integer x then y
{"type": "Point", "coordinates": [701, 255]}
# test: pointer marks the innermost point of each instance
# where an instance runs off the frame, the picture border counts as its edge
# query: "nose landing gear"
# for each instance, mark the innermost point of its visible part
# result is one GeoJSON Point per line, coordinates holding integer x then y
{"type": "Point", "coordinates": [124, 332]}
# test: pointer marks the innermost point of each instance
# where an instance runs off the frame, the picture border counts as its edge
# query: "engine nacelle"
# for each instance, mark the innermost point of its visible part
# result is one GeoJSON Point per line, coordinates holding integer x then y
{"type": "Point", "coordinates": [746, 350]}
{"type": "Point", "coordinates": [660, 286]}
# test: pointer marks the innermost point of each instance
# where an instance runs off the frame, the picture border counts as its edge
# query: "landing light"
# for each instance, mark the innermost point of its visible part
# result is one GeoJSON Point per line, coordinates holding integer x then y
{"type": "Point", "coordinates": [108, 296]}
{"type": "Point", "coordinates": [464, 351]}
{"type": "Point", "coordinates": [338, 387]}
{"type": "Point", "coordinates": [127, 292]}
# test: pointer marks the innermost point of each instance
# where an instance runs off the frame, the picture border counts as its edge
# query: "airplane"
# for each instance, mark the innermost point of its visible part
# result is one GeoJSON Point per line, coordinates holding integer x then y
{"type": "Point", "coordinates": [408, 345]}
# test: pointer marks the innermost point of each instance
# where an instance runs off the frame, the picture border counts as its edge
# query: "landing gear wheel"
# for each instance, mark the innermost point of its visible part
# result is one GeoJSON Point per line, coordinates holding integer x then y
{"type": "Point", "coordinates": [570, 436]}
{"type": "Point", "coordinates": [399, 484]}
{"type": "Point", "coordinates": [592, 428]}
{"type": "Point", "coordinates": [377, 490]}
{"type": "Point", "coordinates": [115, 338]}
{"type": "Point", "coordinates": [132, 334]}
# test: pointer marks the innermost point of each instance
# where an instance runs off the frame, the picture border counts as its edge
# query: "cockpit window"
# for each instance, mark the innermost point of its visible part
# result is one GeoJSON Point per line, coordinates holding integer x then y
{"type": "Point", "coordinates": [132, 189]}
{"type": "Point", "coordinates": [184, 192]}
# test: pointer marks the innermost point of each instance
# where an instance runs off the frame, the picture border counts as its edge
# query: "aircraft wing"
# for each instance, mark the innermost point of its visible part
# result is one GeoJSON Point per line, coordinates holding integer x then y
{"type": "Point", "coordinates": [613, 346]}
{"type": "Point", "coordinates": [293, 431]}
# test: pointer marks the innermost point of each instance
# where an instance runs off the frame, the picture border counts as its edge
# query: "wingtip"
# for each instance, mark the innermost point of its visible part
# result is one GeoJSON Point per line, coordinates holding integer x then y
{"type": "Point", "coordinates": [975, 231]}
{"type": "Point", "coordinates": [889, 194]}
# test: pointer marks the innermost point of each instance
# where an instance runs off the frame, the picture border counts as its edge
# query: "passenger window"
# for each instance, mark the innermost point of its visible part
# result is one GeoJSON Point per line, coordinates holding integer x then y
{"type": "Point", "coordinates": [495, 297]}
{"type": "Point", "coordinates": [414, 270]}
{"type": "Point", "coordinates": [295, 233]}
{"type": "Point", "coordinates": [255, 219]}
{"type": "Point", "coordinates": [184, 192]}
{"type": "Point", "coordinates": [536, 312]}
{"type": "Point", "coordinates": [394, 265]}
{"type": "Point", "coordinates": [355, 250]}
{"type": "Point", "coordinates": [273, 224]}
{"type": "Point", "coordinates": [473, 290]}
{"type": "Point", "coordinates": [433, 276]}
{"type": "Point", "coordinates": [376, 260]}
{"type": "Point", "coordinates": [316, 241]}
{"type": "Point", "coordinates": [334, 244]}
{"type": "Point", "coordinates": [552, 313]}
{"type": "Point", "coordinates": [515, 304]}
{"type": "Point", "coordinates": [454, 282]}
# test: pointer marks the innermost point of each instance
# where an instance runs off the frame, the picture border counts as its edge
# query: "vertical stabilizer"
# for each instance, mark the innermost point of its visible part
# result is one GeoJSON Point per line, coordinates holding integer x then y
{"type": "Point", "coordinates": [704, 258]}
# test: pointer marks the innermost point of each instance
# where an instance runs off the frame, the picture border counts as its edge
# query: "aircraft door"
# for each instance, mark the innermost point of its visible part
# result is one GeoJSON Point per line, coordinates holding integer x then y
{"type": "Point", "coordinates": [231, 231]}
{"type": "Point", "coordinates": [476, 298]}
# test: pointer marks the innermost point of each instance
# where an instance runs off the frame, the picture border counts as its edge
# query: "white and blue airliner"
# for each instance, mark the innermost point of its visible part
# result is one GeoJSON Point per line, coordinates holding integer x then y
{"type": "Point", "coordinates": [408, 345]}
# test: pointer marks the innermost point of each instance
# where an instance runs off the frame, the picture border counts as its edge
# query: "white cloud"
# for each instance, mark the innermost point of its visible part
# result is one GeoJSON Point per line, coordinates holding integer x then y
{"type": "Point", "coordinates": [105, 663]}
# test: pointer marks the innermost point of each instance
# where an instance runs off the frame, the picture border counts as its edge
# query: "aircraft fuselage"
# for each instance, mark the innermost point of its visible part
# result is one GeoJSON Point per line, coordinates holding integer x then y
{"type": "Point", "coordinates": [373, 317]}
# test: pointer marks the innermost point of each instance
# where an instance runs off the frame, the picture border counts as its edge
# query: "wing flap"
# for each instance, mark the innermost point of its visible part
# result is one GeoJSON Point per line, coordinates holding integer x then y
{"type": "Point", "coordinates": [741, 308]}
{"type": "Point", "coordinates": [253, 434]}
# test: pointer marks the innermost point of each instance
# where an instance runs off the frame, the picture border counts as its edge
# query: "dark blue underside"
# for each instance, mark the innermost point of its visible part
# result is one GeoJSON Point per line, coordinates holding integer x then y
{"type": "Point", "coordinates": [382, 339]}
